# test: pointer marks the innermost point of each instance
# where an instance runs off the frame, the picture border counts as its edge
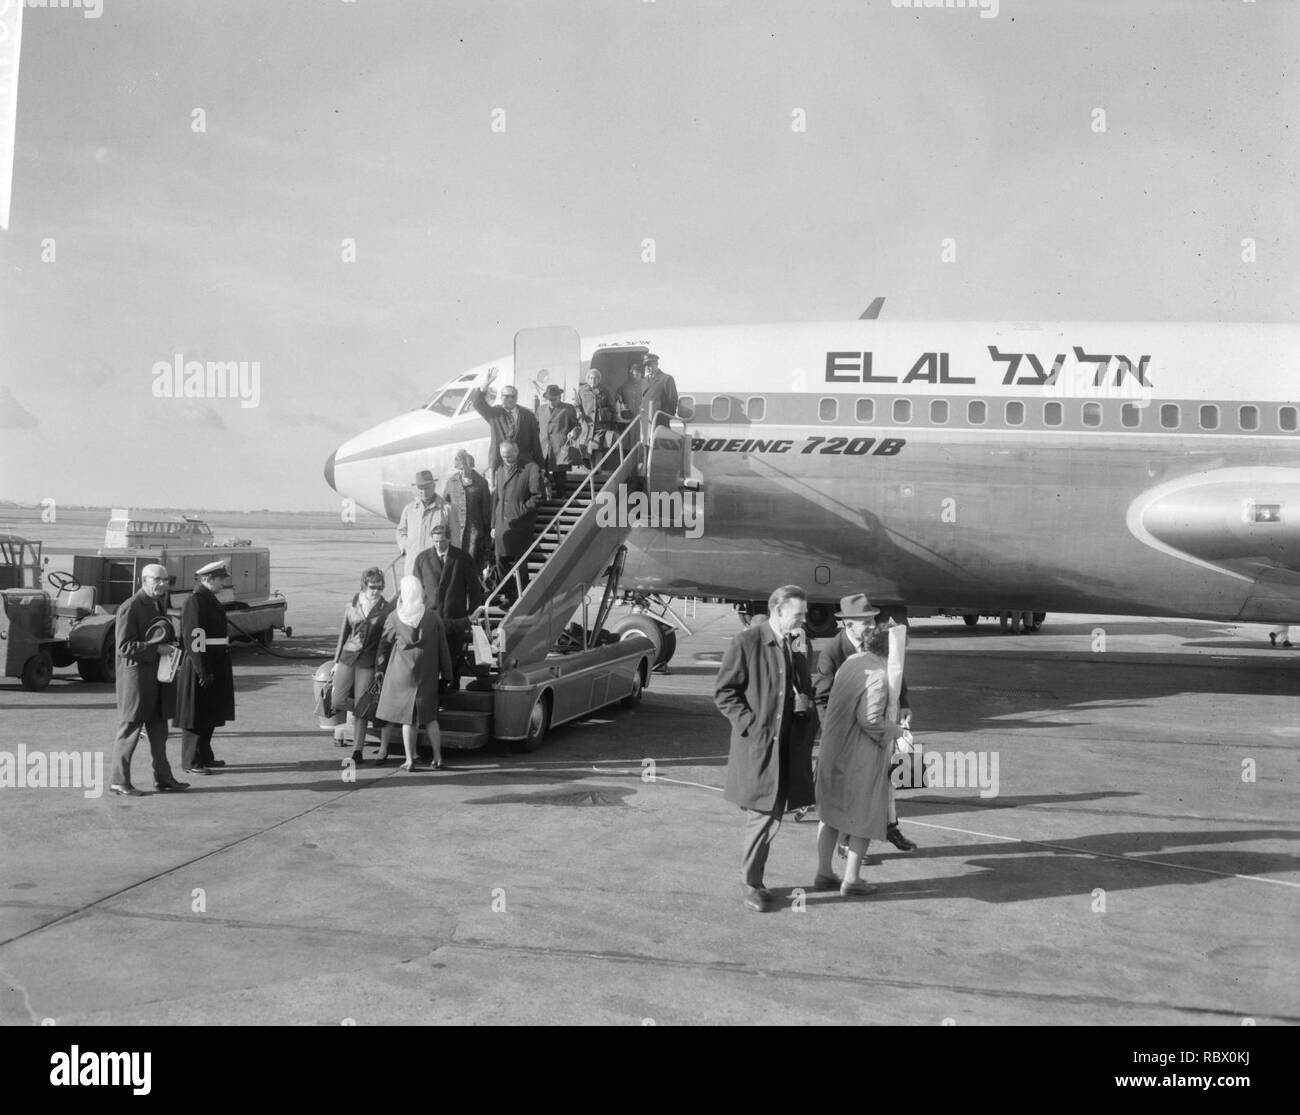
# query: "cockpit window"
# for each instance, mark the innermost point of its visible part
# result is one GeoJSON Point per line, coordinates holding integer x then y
{"type": "Point", "coordinates": [449, 400]}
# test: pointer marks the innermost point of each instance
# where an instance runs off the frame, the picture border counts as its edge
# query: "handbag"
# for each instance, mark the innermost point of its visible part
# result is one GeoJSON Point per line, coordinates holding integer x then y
{"type": "Point", "coordinates": [365, 706]}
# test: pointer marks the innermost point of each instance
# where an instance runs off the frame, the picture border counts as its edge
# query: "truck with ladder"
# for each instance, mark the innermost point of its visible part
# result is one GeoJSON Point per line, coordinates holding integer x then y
{"type": "Point", "coordinates": [545, 648]}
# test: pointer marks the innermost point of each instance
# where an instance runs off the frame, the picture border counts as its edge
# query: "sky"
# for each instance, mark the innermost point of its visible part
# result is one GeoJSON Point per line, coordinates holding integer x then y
{"type": "Point", "coordinates": [188, 176]}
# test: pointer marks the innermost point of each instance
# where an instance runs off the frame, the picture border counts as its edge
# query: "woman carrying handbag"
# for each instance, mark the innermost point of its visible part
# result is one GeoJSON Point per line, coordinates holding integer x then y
{"type": "Point", "coordinates": [355, 662]}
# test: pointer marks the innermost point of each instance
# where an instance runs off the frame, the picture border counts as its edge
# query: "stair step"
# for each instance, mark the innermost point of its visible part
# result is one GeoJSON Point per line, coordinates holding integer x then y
{"type": "Point", "coordinates": [464, 741]}
{"type": "Point", "coordinates": [465, 720]}
{"type": "Point", "coordinates": [468, 700]}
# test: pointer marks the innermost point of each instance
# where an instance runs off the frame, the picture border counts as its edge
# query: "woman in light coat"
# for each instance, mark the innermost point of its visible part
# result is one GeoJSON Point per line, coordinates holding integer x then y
{"type": "Point", "coordinates": [853, 769]}
{"type": "Point", "coordinates": [417, 657]}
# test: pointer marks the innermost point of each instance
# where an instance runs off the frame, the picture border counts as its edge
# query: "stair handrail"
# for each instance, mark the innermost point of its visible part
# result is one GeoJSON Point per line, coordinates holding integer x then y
{"type": "Point", "coordinates": [623, 444]}
{"type": "Point", "coordinates": [650, 436]}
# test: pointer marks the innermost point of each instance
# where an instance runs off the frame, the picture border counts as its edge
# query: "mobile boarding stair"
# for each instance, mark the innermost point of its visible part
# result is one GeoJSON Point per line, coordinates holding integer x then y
{"type": "Point", "coordinates": [543, 669]}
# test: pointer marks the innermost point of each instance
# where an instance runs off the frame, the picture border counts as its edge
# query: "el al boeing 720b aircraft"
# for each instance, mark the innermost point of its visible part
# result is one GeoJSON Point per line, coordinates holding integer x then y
{"type": "Point", "coordinates": [1105, 467]}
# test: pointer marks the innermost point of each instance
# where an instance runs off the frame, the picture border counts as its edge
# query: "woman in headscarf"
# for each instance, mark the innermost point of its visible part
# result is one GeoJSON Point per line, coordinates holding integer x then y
{"type": "Point", "coordinates": [853, 766]}
{"type": "Point", "coordinates": [355, 655]}
{"type": "Point", "coordinates": [417, 658]}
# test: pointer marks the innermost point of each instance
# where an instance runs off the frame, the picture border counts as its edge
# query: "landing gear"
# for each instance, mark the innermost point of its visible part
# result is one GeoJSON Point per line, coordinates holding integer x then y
{"type": "Point", "coordinates": [664, 640]}
{"type": "Point", "coordinates": [970, 621]}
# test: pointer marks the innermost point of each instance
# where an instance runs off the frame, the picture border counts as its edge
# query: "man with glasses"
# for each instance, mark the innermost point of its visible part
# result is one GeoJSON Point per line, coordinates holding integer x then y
{"type": "Point", "coordinates": [143, 702]}
{"type": "Point", "coordinates": [507, 422]}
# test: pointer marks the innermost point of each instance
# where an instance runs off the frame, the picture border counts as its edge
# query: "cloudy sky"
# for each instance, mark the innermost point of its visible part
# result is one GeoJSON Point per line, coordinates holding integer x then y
{"type": "Point", "coordinates": [194, 168]}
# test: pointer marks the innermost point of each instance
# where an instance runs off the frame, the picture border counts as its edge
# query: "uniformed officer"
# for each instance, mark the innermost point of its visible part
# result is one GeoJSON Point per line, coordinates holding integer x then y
{"type": "Point", "coordinates": [205, 684]}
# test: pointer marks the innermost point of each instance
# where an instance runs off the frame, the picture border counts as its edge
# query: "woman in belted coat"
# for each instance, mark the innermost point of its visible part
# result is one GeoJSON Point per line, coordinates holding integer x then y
{"type": "Point", "coordinates": [205, 683]}
{"type": "Point", "coordinates": [355, 655]}
{"type": "Point", "coordinates": [415, 643]}
{"type": "Point", "coordinates": [853, 767]}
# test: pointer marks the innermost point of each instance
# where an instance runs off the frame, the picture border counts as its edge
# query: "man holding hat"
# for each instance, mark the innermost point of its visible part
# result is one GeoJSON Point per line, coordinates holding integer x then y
{"type": "Point", "coordinates": [559, 424]}
{"type": "Point", "coordinates": [857, 627]}
{"type": "Point", "coordinates": [142, 701]}
{"type": "Point", "coordinates": [415, 527]}
{"type": "Point", "coordinates": [205, 684]}
{"type": "Point", "coordinates": [660, 392]}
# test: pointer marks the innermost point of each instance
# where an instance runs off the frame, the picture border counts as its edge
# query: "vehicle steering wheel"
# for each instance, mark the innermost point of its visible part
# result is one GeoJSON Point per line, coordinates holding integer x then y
{"type": "Point", "coordinates": [61, 581]}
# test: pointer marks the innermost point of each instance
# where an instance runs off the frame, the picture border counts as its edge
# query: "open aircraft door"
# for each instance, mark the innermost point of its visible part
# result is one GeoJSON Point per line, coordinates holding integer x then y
{"type": "Point", "coordinates": [549, 354]}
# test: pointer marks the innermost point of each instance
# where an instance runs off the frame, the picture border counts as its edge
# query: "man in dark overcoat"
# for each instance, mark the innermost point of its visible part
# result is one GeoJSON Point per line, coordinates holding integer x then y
{"type": "Point", "coordinates": [558, 420]}
{"type": "Point", "coordinates": [451, 587]}
{"type": "Point", "coordinates": [205, 686]}
{"type": "Point", "coordinates": [660, 392]}
{"type": "Point", "coordinates": [143, 702]}
{"type": "Point", "coordinates": [516, 496]}
{"type": "Point", "coordinates": [764, 688]}
{"type": "Point", "coordinates": [507, 422]}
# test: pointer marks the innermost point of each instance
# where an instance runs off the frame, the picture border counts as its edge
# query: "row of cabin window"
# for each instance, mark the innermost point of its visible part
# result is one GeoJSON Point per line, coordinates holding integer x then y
{"type": "Point", "coordinates": [1130, 414]}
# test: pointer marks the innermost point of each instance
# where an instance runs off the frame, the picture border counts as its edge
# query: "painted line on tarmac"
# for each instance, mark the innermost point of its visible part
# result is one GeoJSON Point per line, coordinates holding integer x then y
{"type": "Point", "coordinates": [1103, 855]}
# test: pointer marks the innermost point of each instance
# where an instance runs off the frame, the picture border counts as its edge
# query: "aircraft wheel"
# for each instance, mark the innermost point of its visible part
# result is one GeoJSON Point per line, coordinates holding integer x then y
{"type": "Point", "coordinates": [644, 625]}
{"type": "Point", "coordinates": [539, 720]}
{"type": "Point", "coordinates": [37, 671]}
{"type": "Point", "coordinates": [821, 621]}
{"type": "Point", "coordinates": [1038, 618]}
{"type": "Point", "coordinates": [638, 685]}
{"type": "Point", "coordinates": [971, 621]}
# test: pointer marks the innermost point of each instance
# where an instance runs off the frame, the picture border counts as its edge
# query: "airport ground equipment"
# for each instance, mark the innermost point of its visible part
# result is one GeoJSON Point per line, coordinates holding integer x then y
{"type": "Point", "coordinates": [39, 632]}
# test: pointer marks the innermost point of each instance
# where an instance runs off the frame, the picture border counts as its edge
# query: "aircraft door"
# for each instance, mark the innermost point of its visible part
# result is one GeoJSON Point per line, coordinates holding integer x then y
{"type": "Point", "coordinates": [546, 355]}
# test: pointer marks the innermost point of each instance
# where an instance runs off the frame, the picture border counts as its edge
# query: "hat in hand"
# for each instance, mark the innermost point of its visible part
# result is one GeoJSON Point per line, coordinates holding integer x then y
{"type": "Point", "coordinates": [160, 631]}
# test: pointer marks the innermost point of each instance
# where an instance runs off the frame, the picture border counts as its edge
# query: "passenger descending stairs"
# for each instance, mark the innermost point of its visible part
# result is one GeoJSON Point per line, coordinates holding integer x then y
{"type": "Point", "coordinates": [465, 718]}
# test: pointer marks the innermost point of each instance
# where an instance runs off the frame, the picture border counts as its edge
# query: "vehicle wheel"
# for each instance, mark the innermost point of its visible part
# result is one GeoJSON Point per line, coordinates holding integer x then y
{"type": "Point", "coordinates": [638, 686]}
{"type": "Point", "coordinates": [539, 720]}
{"type": "Point", "coordinates": [265, 638]}
{"type": "Point", "coordinates": [37, 671]}
{"type": "Point", "coordinates": [970, 621]}
{"type": "Point", "coordinates": [288, 632]}
{"type": "Point", "coordinates": [644, 625]}
{"type": "Point", "coordinates": [1038, 618]}
{"type": "Point", "coordinates": [821, 621]}
{"type": "Point", "coordinates": [88, 668]}
{"type": "Point", "coordinates": [108, 659]}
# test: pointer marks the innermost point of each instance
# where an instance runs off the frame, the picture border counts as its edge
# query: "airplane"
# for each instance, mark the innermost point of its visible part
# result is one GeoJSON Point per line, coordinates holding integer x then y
{"type": "Point", "coordinates": [1084, 467]}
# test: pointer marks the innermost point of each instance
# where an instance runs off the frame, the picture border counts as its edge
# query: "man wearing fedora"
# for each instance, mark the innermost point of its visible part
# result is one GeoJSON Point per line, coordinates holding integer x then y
{"type": "Point", "coordinates": [764, 688]}
{"type": "Point", "coordinates": [559, 423]}
{"type": "Point", "coordinates": [857, 627]}
{"type": "Point", "coordinates": [415, 527]}
{"type": "Point", "coordinates": [205, 683]}
{"type": "Point", "coordinates": [143, 702]}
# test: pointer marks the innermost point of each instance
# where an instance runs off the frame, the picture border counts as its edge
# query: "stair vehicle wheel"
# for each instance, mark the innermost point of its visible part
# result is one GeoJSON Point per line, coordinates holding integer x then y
{"type": "Point", "coordinates": [638, 687]}
{"type": "Point", "coordinates": [971, 621]}
{"type": "Point", "coordinates": [37, 671]}
{"type": "Point", "coordinates": [539, 720]}
{"type": "Point", "coordinates": [644, 625]}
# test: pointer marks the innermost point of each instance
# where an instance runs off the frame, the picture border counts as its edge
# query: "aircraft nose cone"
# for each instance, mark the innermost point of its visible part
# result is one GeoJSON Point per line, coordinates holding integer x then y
{"type": "Point", "coordinates": [329, 469]}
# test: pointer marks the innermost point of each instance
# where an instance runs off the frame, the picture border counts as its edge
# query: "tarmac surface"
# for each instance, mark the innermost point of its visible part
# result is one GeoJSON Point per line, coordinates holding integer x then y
{"type": "Point", "coordinates": [1137, 864]}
